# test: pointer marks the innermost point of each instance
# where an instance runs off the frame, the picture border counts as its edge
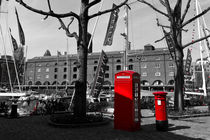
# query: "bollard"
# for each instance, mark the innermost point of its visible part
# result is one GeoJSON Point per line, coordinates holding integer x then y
{"type": "Point", "coordinates": [160, 111]}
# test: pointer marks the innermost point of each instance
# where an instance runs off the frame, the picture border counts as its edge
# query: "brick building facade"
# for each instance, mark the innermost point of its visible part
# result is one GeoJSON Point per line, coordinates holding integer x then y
{"type": "Point", "coordinates": [154, 64]}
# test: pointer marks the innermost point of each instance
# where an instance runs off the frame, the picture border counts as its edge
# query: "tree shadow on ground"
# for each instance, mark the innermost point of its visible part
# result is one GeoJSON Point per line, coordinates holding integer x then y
{"type": "Point", "coordinates": [36, 128]}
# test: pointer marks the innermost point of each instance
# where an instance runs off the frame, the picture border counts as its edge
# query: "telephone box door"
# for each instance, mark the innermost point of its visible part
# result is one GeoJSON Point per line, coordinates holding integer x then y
{"type": "Point", "coordinates": [127, 101]}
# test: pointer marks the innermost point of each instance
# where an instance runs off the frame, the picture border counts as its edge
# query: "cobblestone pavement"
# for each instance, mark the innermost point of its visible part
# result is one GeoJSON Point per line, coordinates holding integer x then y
{"type": "Point", "coordinates": [37, 128]}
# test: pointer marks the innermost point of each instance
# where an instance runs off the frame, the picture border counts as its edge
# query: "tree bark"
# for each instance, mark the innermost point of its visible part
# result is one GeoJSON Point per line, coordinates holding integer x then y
{"type": "Point", "coordinates": [179, 85]}
{"type": "Point", "coordinates": [80, 86]}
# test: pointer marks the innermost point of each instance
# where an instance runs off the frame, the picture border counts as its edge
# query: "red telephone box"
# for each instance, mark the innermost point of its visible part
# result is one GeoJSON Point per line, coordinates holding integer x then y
{"type": "Point", "coordinates": [127, 101]}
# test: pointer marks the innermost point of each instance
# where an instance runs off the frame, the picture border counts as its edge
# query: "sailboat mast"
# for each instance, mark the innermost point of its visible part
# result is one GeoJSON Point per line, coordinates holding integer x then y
{"type": "Point", "coordinates": [205, 33]}
{"type": "Point", "coordinates": [201, 50]}
{"type": "Point", "coordinates": [126, 39]}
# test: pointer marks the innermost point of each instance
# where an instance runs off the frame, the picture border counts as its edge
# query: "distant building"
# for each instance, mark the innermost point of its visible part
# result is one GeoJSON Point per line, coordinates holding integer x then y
{"type": "Point", "coordinates": [155, 65]}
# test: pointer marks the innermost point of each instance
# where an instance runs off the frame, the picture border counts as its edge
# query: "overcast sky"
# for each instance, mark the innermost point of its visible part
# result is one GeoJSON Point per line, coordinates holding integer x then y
{"type": "Point", "coordinates": [42, 34]}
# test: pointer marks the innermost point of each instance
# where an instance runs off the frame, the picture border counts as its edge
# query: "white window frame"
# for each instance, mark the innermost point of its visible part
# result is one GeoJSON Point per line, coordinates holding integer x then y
{"type": "Point", "coordinates": [171, 73]}
{"type": "Point", "coordinates": [157, 73]}
{"type": "Point", "coordinates": [39, 70]}
{"type": "Point", "coordinates": [47, 69]}
{"type": "Point", "coordinates": [144, 74]}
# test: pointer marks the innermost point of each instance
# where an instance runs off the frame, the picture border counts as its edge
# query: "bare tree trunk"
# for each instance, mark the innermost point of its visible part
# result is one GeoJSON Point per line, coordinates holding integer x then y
{"type": "Point", "coordinates": [80, 86]}
{"type": "Point", "coordinates": [179, 87]}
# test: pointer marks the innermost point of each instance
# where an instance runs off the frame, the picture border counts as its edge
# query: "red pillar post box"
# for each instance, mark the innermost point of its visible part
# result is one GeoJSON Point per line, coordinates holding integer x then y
{"type": "Point", "coordinates": [160, 111]}
{"type": "Point", "coordinates": [127, 101]}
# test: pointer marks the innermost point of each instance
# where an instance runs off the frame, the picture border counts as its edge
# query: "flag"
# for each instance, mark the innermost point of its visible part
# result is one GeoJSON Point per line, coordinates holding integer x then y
{"type": "Point", "coordinates": [21, 33]}
{"type": "Point", "coordinates": [188, 62]}
{"type": "Point", "coordinates": [170, 43]}
{"type": "Point", "coordinates": [14, 42]}
{"type": "Point", "coordinates": [91, 43]}
{"type": "Point", "coordinates": [19, 54]}
{"type": "Point", "coordinates": [111, 27]}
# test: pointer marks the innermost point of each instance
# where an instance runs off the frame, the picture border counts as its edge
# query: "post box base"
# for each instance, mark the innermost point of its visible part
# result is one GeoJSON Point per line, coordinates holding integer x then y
{"type": "Point", "coordinates": [162, 125]}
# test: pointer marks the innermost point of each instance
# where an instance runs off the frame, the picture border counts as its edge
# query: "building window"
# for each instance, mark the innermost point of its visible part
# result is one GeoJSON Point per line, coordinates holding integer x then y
{"type": "Point", "coordinates": [31, 71]}
{"type": "Point", "coordinates": [171, 73]}
{"type": "Point", "coordinates": [47, 64]}
{"type": "Point", "coordinates": [95, 62]}
{"type": "Point", "coordinates": [171, 64]}
{"type": "Point", "coordinates": [118, 61]}
{"type": "Point", "coordinates": [157, 74]}
{"type": "Point", "coordinates": [75, 69]}
{"type": "Point", "coordinates": [143, 65]}
{"type": "Point", "coordinates": [56, 64]}
{"type": "Point", "coordinates": [106, 75]}
{"type": "Point", "coordinates": [65, 63]}
{"type": "Point", "coordinates": [65, 69]}
{"type": "Point", "coordinates": [95, 68]}
{"type": "Point", "coordinates": [39, 70]}
{"type": "Point", "coordinates": [47, 76]}
{"type": "Point", "coordinates": [56, 70]}
{"type": "Point", "coordinates": [55, 76]}
{"type": "Point", "coordinates": [64, 76]}
{"type": "Point", "coordinates": [38, 77]}
{"type": "Point", "coordinates": [47, 69]}
{"type": "Point", "coordinates": [157, 65]}
{"type": "Point", "coordinates": [107, 68]}
{"type": "Point", "coordinates": [130, 60]}
{"type": "Point", "coordinates": [74, 76]}
{"type": "Point", "coordinates": [30, 78]}
{"type": "Point", "coordinates": [118, 67]}
{"type": "Point", "coordinates": [157, 58]}
{"type": "Point", "coordinates": [144, 74]}
{"type": "Point", "coordinates": [39, 65]}
{"type": "Point", "coordinates": [143, 59]}
{"type": "Point", "coordinates": [130, 67]}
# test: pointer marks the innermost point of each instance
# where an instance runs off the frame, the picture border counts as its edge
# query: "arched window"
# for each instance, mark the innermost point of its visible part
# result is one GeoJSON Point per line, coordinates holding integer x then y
{"type": "Point", "coordinates": [130, 60]}
{"type": "Point", "coordinates": [118, 61]}
{"type": "Point", "coordinates": [38, 83]}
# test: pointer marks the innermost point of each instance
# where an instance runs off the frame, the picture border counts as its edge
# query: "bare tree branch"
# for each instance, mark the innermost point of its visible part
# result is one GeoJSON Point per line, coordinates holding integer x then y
{"type": "Point", "coordinates": [164, 26]}
{"type": "Point", "coordinates": [194, 18]}
{"type": "Point", "coordinates": [49, 5]}
{"type": "Point", "coordinates": [154, 8]}
{"type": "Point", "coordinates": [66, 29]}
{"type": "Point", "coordinates": [163, 3]}
{"type": "Point", "coordinates": [160, 39]}
{"type": "Point", "coordinates": [185, 11]}
{"type": "Point", "coordinates": [168, 7]}
{"type": "Point", "coordinates": [109, 10]}
{"type": "Point", "coordinates": [48, 2]}
{"type": "Point", "coordinates": [71, 20]}
{"type": "Point", "coordinates": [92, 3]}
{"type": "Point", "coordinates": [50, 13]}
{"type": "Point", "coordinates": [207, 30]}
{"type": "Point", "coordinates": [200, 39]}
